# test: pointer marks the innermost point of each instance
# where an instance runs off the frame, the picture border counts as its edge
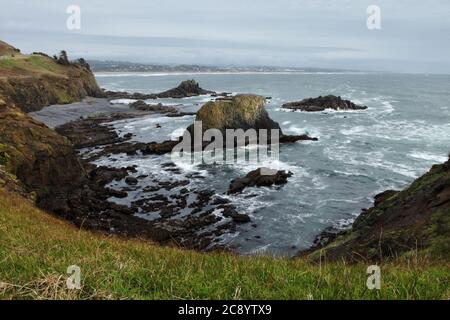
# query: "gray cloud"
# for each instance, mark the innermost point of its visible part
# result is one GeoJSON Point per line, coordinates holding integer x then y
{"type": "Point", "coordinates": [317, 33]}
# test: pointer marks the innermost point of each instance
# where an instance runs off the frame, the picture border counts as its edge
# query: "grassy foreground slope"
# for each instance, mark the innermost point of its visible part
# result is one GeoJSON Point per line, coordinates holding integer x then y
{"type": "Point", "coordinates": [36, 249]}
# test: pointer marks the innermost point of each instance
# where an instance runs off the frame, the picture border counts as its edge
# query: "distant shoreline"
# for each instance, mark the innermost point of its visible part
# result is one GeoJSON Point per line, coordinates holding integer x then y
{"type": "Point", "coordinates": [161, 74]}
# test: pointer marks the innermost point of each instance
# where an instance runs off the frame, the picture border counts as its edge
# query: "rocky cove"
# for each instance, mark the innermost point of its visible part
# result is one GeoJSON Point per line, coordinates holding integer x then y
{"type": "Point", "coordinates": [173, 210]}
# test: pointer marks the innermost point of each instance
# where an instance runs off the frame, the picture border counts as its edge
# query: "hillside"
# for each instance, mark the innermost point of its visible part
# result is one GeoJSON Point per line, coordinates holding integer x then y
{"type": "Point", "coordinates": [37, 249]}
{"type": "Point", "coordinates": [34, 81]}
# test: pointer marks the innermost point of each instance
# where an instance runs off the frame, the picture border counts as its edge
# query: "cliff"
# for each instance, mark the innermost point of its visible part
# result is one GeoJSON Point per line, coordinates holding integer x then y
{"type": "Point", "coordinates": [406, 222]}
{"type": "Point", "coordinates": [37, 80]}
{"type": "Point", "coordinates": [34, 159]}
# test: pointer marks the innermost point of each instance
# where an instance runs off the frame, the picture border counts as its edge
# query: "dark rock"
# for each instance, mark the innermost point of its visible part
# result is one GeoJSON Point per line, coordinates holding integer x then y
{"type": "Point", "coordinates": [187, 88]}
{"type": "Point", "coordinates": [157, 108]}
{"type": "Point", "coordinates": [258, 178]}
{"type": "Point", "coordinates": [240, 112]}
{"type": "Point", "coordinates": [131, 180]}
{"type": "Point", "coordinates": [323, 103]}
{"type": "Point", "coordinates": [116, 193]}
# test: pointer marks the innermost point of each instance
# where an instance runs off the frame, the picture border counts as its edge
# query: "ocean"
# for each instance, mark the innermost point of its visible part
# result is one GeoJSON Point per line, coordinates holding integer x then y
{"type": "Point", "coordinates": [404, 131]}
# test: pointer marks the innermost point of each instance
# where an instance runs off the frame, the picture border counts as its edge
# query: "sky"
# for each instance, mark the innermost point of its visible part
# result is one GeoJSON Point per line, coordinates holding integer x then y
{"type": "Point", "coordinates": [414, 35]}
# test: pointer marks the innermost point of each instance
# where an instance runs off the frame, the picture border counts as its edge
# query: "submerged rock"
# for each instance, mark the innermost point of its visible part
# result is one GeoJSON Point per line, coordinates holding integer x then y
{"type": "Point", "coordinates": [323, 103]}
{"type": "Point", "coordinates": [158, 108]}
{"type": "Point", "coordinates": [258, 178]}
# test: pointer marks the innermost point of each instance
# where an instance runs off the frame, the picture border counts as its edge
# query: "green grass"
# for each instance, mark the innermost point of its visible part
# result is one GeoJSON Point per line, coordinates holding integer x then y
{"type": "Point", "coordinates": [36, 249]}
{"type": "Point", "coordinates": [30, 65]}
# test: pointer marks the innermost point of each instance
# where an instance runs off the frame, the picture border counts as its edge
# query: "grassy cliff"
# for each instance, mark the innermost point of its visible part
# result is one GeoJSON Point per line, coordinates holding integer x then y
{"type": "Point", "coordinates": [33, 81]}
{"type": "Point", "coordinates": [33, 158]}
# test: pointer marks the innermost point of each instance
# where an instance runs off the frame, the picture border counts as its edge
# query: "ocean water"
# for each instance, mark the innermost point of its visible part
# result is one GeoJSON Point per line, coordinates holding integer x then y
{"type": "Point", "coordinates": [359, 153]}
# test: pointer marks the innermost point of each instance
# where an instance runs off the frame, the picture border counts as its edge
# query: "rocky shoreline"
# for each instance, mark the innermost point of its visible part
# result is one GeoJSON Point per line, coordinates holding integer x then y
{"type": "Point", "coordinates": [60, 171]}
{"type": "Point", "coordinates": [191, 218]}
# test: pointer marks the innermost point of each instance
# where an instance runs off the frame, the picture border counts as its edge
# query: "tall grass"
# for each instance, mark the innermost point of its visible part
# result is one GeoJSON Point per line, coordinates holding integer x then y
{"type": "Point", "coordinates": [36, 249]}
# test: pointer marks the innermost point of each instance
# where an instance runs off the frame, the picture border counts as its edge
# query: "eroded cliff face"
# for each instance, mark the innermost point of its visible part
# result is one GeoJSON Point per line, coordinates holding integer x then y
{"type": "Point", "coordinates": [32, 94]}
{"type": "Point", "coordinates": [43, 161]}
{"type": "Point", "coordinates": [399, 223]}
{"type": "Point", "coordinates": [34, 158]}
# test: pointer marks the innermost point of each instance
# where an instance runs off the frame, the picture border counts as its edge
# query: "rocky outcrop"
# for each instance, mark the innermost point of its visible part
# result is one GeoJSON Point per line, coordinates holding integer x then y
{"type": "Point", "coordinates": [259, 178]}
{"type": "Point", "coordinates": [157, 108]}
{"type": "Point", "coordinates": [42, 160]}
{"type": "Point", "coordinates": [240, 112]}
{"type": "Point", "coordinates": [187, 88]}
{"type": "Point", "coordinates": [416, 219]}
{"type": "Point", "coordinates": [33, 81]}
{"type": "Point", "coordinates": [323, 103]}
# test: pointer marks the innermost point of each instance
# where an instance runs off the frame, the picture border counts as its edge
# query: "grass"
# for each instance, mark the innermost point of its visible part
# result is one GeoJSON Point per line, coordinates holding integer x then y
{"type": "Point", "coordinates": [36, 249]}
{"type": "Point", "coordinates": [28, 65]}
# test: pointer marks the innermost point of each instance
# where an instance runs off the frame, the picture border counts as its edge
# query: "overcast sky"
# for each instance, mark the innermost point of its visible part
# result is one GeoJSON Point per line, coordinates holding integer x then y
{"type": "Point", "coordinates": [414, 35]}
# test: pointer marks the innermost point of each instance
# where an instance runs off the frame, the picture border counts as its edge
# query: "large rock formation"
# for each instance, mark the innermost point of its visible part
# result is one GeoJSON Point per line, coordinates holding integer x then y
{"type": "Point", "coordinates": [399, 223]}
{"type": "Point", "coordinates": [244, 111]}
{"type": "Point", "coordinates": [322, 103]}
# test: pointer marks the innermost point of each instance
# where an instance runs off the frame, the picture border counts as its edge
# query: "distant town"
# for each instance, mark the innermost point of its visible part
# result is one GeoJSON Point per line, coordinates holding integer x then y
{"type": "Point", "coordinates": [123, 66]}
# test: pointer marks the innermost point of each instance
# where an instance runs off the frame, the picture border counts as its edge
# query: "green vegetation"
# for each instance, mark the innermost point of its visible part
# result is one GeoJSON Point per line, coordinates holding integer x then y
{"type": "Point", "coordinates": [225, 114]}
{"type": "Point", "coordinates": [33, 81]}
{"type": "Point", "coordinates": [36, 249]}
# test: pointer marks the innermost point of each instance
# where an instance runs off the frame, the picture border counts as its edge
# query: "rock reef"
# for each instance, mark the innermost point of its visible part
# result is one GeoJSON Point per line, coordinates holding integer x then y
{"type": "Point", "coordinates": [322, 103]}
{"type": "Point", "coordinates": [259, 178]}
{"type": "Point", "coordinates": [187, 88]}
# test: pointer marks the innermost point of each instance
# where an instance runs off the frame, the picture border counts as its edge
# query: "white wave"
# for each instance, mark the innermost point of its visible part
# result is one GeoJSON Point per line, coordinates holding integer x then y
{"type": "Point", "coordinates": [123, 101]}
{"type": "Point", "coordinates": [177, 133]}
{"type": "Point", "coordinates": [428, 156]}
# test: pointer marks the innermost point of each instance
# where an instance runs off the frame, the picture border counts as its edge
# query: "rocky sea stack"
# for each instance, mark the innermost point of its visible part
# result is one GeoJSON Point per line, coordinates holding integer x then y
{"type": "Point", "coordinates": [187, 88]}
{"type": "Point", "coordinates": [243, 111]}
{"type": "Point", "coordinates": [323, 103]}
